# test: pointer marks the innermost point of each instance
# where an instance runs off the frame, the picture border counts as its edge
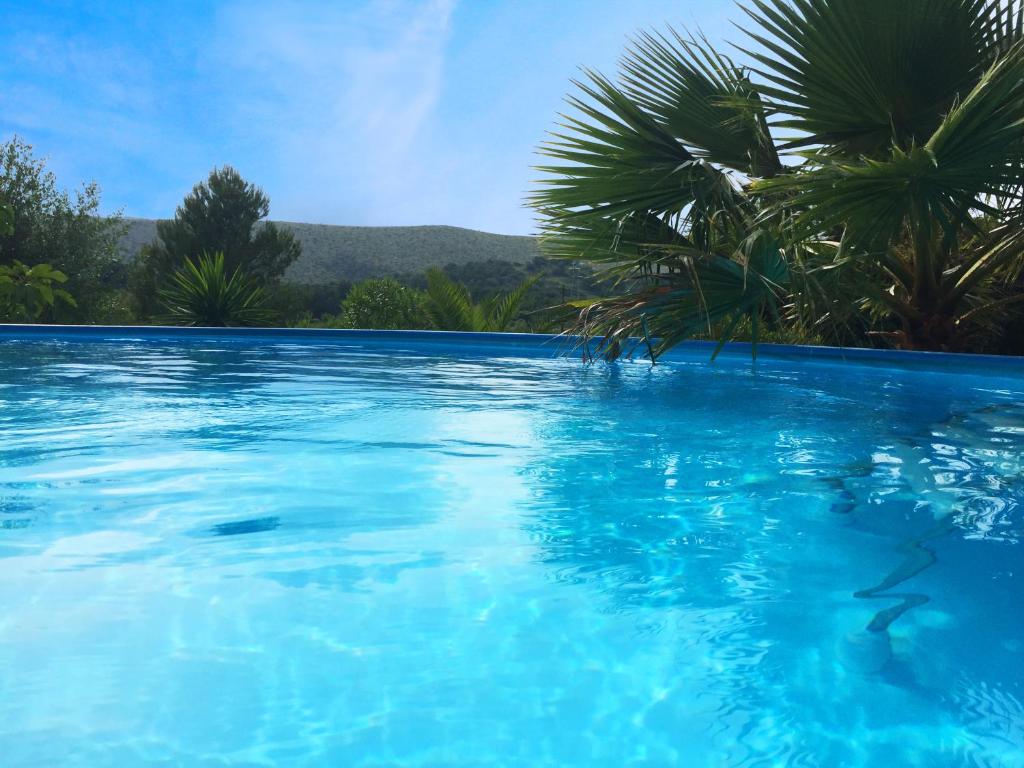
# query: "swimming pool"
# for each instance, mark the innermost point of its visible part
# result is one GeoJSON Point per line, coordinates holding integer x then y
{"type": "Point", "coordinates": [433, 550]}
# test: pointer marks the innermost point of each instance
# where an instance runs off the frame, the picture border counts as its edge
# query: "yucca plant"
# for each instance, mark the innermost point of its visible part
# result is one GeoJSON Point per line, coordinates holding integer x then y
{"type": "Point", "coordinates": [449, 307]}
{"type": "Point", "coordinates": [203, 294]}
{"type": "Point", "coordinates": [859, 172]}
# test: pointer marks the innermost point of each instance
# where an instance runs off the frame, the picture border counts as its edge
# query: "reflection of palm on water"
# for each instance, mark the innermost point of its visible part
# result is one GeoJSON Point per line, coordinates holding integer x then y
{"type": "Point", "coordinates": [706, 550]}
{"type": "Point", "coordinates": [933, 485]}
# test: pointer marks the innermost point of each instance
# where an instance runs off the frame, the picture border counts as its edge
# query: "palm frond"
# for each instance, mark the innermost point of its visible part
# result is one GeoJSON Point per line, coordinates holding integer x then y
{"type": "Point", "coordinates": [901, 221]}
{"type": "Point", "coordinates": [975, 152]}
{"type": "Point", "coordinates": [615, 158]}
{"type": "Point", "coordinates": [506, 307]}
{"type": "Point", "coordinates": [713, 291]}
{"type": "Point", "coordinates": [1004, 25]}
{"type": "Point", "coordinates": [857, 76]}
{"type": "Point", "coordinates": [447, 304]}
{"type": "Point", "coordinates": [704, 100]}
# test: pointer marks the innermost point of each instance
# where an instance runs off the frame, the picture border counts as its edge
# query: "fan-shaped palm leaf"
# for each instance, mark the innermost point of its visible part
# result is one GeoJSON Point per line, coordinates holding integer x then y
{"type": "Point", "coordinates": [899, 207]}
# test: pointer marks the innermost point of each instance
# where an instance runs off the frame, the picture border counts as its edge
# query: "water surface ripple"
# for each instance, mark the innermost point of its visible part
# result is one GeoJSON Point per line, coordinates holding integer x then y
{"type": "Point", "coordinates": [264, 553]}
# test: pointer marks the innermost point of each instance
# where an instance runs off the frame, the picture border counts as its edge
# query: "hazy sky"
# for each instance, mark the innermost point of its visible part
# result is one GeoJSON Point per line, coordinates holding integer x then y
{"type": "Point", "coordinates": [374, 112]}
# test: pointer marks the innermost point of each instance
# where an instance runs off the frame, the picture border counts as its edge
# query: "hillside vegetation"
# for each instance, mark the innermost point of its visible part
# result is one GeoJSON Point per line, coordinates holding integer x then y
{"type": "Point", "coordinates": [333, 254]}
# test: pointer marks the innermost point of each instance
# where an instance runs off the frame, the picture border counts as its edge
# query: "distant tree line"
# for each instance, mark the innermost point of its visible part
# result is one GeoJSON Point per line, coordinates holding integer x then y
{"type": "Point", "coordinates": [218, 261]}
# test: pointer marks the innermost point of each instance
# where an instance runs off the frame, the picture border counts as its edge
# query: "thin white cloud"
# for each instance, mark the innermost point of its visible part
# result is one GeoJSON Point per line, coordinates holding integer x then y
{"type": "Point", "coordinates": [345, 111]}
{"type": "Point", "coordinates": [340, 96]}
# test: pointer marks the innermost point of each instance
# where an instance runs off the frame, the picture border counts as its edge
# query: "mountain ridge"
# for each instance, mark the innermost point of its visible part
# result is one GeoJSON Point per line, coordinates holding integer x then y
{"type": "Point", "coordinates": [338, 252]}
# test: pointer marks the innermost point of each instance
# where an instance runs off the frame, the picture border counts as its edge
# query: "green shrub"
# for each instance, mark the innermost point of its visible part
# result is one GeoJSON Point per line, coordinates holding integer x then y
{"type": "Point", "coordinates": [383, 304]}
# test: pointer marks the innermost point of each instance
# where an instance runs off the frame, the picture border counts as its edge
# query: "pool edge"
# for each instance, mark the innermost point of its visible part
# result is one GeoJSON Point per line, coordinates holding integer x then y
{"type": "Point", "coordinates": [556, 344]}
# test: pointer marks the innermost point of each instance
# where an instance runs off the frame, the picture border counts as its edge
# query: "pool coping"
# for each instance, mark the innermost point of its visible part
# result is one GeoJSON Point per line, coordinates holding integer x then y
{"type": "Point", "coordinates": [558, 344]}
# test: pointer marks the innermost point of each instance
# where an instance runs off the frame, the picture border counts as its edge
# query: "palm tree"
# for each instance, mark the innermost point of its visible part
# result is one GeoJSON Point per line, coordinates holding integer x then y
{"type": "Point", "coordinates": [202, 293]}
{"type": "Point", "coordinates": [449, 307]}
{"type": "Point", "coordinates": [860, 172]}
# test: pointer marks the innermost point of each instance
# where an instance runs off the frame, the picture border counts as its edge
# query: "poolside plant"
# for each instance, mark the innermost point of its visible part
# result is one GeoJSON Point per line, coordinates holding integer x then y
{"type": "Point", "coordinates": [449, 306]}
{"type": "Point", "coordinates": [381, 304]}
{"type": "Point", "coordinates": [855, 170]}
{"type": "Point", "coordinates": [27, 292]}
{"type": "Point", "coordinates": [203, 293]}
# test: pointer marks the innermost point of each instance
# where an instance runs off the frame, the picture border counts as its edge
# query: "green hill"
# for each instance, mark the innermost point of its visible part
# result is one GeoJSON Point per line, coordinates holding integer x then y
{"type": "Point", "coordinates": [332, 254]}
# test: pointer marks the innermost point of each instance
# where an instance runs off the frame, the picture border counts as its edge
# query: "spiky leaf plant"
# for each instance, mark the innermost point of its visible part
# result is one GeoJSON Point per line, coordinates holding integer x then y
{"type": "Point", "coordinates": [202, 293]}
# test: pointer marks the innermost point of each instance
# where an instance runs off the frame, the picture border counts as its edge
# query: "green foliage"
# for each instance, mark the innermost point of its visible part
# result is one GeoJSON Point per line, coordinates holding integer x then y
{"type": "Point", "coordinates": [334, 257]}
{"type": "Point", "coordinates": [294, 303]}
{"type": "Point", "coordinates": [27, 292]}
{"type": "Point", "coordinates": [383, 304]}
{"type": "Point", "coordinates": [43, 224]}
{"type": "Point", "coordinates": [334, 253]}
{"type": "Point", "coordinates": [115, 307]}
{"type": "Point", "coordinates": [449, 307]}
{"type": "Point", "coordinates": [224, 214]}
{"type": "Point", "coordinates": [203, 293]}
{"type": "Point", "coordinates": [557, 281]}
{"type": "Point", "coordinates": [858, 179]}
{"type": "Point", "coordinates": [6, 219]}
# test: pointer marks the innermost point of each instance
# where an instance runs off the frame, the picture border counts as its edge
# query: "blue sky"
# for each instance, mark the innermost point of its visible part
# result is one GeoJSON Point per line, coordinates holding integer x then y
{"type": "Point", "coordinates": [368, 112]}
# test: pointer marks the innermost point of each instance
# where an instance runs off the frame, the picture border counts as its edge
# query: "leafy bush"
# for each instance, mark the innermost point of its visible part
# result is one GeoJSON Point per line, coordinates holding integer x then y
{"type": "Point", "coordinates": [383, 304]}
{"type": "Point", "coordinates": [201, 293]}
{"type": "Point", "coordinates": [558, 281]}
{"type": "Point", "coordinates": [27, 292]}
{"type": "Point", "coordinates": [115, 307]}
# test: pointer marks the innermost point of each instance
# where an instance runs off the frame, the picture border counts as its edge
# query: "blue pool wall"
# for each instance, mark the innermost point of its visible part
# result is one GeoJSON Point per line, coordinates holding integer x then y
{"type": "Point", "coordinates": [519, 344]}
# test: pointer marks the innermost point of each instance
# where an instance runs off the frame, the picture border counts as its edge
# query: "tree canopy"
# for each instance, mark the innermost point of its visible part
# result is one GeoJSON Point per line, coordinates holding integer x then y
{"type": "Point", "coordinates": [6, 219]}
{"type": "Point", "coordinates": [224, 214]}
{"type": "Point", "coordinates": [45, 225]}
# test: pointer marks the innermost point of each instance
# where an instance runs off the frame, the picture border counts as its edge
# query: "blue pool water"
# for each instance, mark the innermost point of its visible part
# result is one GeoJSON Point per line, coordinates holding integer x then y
{"type": "Point", "coordinates": [360, 552]}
